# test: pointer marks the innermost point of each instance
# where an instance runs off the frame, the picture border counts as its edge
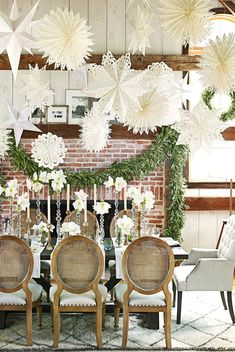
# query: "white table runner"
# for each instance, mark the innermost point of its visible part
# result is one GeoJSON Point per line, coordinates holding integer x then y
{"type": "Point", "coordinates": [37, 262]}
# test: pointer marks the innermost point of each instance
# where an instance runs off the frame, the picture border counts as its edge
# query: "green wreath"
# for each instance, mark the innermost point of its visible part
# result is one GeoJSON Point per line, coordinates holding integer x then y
{"type": "Point", "coordinates": [163, 147]}
{"type": "Point", "coordinates": [207, 97]}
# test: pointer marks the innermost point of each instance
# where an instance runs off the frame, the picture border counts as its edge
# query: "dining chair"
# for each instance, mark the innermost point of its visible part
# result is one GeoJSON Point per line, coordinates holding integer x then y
{"type": "Point", "coordinates": [77, 266]}
{"type": "Point", "coordinates": [208, 270]}
{"type": "Point", "coordinates": [128, 213]}
{"type": "Point", "coordinates": [23, 220]}
{"type": "Point", "coordinates": [17, 293]}
{"type": "Point", "coordinates": [91, 220]}
{"type": "Point", "coordinates": [147, 266]}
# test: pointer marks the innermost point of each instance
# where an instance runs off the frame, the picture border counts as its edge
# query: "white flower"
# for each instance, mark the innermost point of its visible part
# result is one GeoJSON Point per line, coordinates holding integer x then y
{"type": "Point", "coordinates": [44, 177]}
{"type": "Point", "coordinates": [34, 184]}
{"type": "Point", "coordinates": [79, 204]}
{"type": "Point", "coordinates": [42, 227]}
{"type": "Point", "coordinates": [132, 191]}
{"type": "Point", "coordinates": [120, 183]}
{"type": "Point", "coordinates": [149, 200]}
{"type": "Point", "coordinates": [102, 208]}
{"type": "Point", "coordinates": [138, 199]}
{"type": "Point", "coordinates": [125, 224]}
{"type": "Point", "coordinates": [12, 188]}
{"type": "Point", "coordinates": [1, 190]}
{"type": "Point", "coordinates": [81, 194]}
{"type": "Point", "coordinates": [58, 180]}
{"type": "Point", "coordinates": [71, 227]}
{"type": "Point", "coordinates": [109, 182]}
{"type": "Point", "coordinates": [22, 202]}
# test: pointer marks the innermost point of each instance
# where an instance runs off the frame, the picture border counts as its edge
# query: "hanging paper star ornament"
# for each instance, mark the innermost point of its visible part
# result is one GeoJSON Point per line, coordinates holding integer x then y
{"type": "Point", "coordinates": [145, 3]}
{"type": "Point", "coordinates": [116, 84]}
{"type": "Point", "coordinates": [37, 92]}
{"type": "Point", "coordinates": [141, 24]}
{"type": "Point", "coordinates": [182, 90]}
{"type": "Point", "coordinates": [159, 75]}
{"type": "Point", "coordinates": [15, 34]}
{"type": "Point", "coordinates": [199, 128]}
{"type": "Point", "coordinates": [4, 143]}
{"type": "Point", "coordinates": [19, 122]}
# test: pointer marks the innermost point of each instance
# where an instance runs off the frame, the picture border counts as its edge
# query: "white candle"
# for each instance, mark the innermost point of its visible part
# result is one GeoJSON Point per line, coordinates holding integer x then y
{"type": "Point", "coordinates": [85, 209]}
{"type": "Point", "coordinates": [28, 208]}
{"type": "Point", "coordinates": [68, 197]}
{"type": "Point", "coordinates": [95, 194]}
{"type": "Point", "coordinates": [125, 199]}
{"type": "Point", "coordinates": [49, 209]}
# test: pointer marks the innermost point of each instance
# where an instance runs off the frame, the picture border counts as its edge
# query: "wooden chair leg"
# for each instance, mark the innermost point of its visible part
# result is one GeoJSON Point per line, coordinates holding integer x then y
{"type": "Point", "coordinates": [179, 306]}
{"type": "Point", "coordinates": [56, 323]}
{"type": "Point", "coordinates": [39, 316]}
{"type": "Point", "coordinates": [167, 327]}
{"type": "Point", "coordinates": [125, 326]}
{"type": "Point", "coordinates": [174, 293]}
{"type": "Point", "coordinates": [116, 316]}
{"type": "Point", "coordinates": [52, 317]}
{"type": "Point", "coordinates": [230, 306]}
{"type": "Point", "coordinates": [99, 327]}
{"type": "Point", "coordinates": [29, 324]}
{"type": "Point", "coordinates": [103, 316]}
{"type": "Point", "coordinates": [223, 300]}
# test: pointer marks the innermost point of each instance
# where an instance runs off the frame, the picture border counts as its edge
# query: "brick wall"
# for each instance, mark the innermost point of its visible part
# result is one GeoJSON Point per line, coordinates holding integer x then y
{"type": "Point", "coordinates": [117, 150]}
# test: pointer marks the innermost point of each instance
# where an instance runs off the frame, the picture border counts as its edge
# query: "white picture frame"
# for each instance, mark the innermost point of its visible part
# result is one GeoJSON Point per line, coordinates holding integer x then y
{"type": "Point", "coordinates": [57, 114]}
{"type": "Point", "coordinates": [78, 104]}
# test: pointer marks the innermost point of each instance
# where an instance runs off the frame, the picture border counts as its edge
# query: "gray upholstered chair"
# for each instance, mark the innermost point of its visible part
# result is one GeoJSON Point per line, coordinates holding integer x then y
{"type": "Point", "coordinates": [208, 270]}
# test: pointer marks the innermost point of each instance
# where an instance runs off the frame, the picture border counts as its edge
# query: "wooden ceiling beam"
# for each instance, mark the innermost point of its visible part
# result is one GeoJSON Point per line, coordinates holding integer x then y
{"type": "Point", "coordinates": [228, 5]}
{"type": "Point", "coordinates": [139, 62]}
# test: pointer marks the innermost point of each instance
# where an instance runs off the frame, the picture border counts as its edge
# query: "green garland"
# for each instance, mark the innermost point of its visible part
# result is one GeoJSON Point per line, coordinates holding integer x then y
{"type": "Point", "coordinates": [163, 147]}
{"type": "Point", "coordinates": [207, 97]}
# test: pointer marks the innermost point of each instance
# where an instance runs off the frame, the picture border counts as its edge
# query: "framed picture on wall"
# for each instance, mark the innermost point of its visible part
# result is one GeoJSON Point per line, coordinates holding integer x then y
{"type": "Point", "coordinates": [79, 103]}
{"type": "Point", "coordinates": [57, 114]}
{"type": "Point", "coordinates": [39, 116]}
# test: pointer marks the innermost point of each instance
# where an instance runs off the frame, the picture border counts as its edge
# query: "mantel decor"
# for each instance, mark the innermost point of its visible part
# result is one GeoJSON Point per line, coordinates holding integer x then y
{"type": "Point", "coordinates": [207, 97]}
{"type": "Point", "coordinates": [163, 147]}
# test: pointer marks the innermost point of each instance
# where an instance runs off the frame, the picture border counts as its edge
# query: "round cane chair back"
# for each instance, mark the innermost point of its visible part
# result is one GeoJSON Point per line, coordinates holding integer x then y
{"type": "Point", "coordinates": [23, 220]}
{"type": "Point", "coordinates": [91, 220]}
{"type": "Point", "coordinates": [148, 264]}
{"type": "Point", "coordinates": [77, 264]}
{"type": "Point", "coordinates": [16, 263]}
{"type": "Point", "coordinates": [120, 214]}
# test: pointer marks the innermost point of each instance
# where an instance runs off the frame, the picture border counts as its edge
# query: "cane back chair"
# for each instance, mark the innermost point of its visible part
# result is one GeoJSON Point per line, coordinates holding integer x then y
{"type": "Point", "coordinates": [120, 214]}
{"type": "Point", "coordinates": [77, 266]}
{"type": "Point", "coordinates": [91, 220]}
{"type": "Point", "coordinates": [147, 265]}
{"type": "Point", "coordinates": [16, 292]}
{"type": "Point", "coordinates": [23, 220]}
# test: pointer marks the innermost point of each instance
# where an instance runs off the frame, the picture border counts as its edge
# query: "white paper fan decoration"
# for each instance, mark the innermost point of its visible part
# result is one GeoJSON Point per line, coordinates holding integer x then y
{"type": "Point", "coordinates": [199, 128]}
{"type": "Point", "coordinates": [95, 130]}
{"type": "Point", "coordinates": [159, 75]}
{"type": "Point", "coordinates": [186, 21]}
{"type": "Point", "coordinates": [155, 110]}
{"type": "Point", "coordinates": [141, 25]}
{"type": "Point", "coordinates": [218, 64]}
{"type": "Point", "coordinates": [4, 143]}
{"type": "Point", "coordinates": [37, 92]}
{"type": "Point", "coordinates": [48, 150]}
{"type": "Point", "coordinates": [116, 84]}
{"type": "Point", "coordinates": [65, 39]}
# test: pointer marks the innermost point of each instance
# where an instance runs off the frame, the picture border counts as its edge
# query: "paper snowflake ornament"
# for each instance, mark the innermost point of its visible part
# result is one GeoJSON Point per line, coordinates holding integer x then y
{"type": "Point", "coordinates": [182, 90]}
{"type": "Point", "coordinates": [37, 92]}
{"type": "Point", "coordinates": [186, 21]}
{"type": "Point", "coordinates": [145, 3]}
{"type": "Point", "coordinates": [155, 110]}
{"type": "Point", "coordinates": [48, 150]}
{"type": "Point", "coordinates": [116, 84]}
{"type": "Point", "coordinates": [141, 25]}
{"type": "Point", "coordinates": [16, 35]}
{"type": "Point", "coordinates": [159, 76]}
{"type": "Point", "coordinates": [199, 128]}
{"type": "Point", "coordinates": [218, 64]}
{"type": "Point", "coordinates": [19, 122]}
{"type": "Point", "coordinates": [95, 130]}
{"type": "Point", "coordinates": [65, 39]}
{"type": "Point", "coordinates": [4, 143]}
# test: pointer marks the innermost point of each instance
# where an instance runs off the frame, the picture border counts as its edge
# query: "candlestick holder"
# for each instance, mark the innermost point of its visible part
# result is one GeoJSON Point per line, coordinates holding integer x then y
{"type": "Point", "coordinates": [139, 223]}
{"type": "Point", "coordinates": [68, 215]}
{"type": "Point", "coordinates": [126, 240]}
{"type": "Point", "coordinates": [28, 223]}
{"type": "Point", "coordinates": [49, 246]}
{"type": "Point", "coordinates": [116, 203]}
{"type": "Point", "coordinates": [95, 223]}
{"type": "Point", "coordinates": [18, 228]}
{"type": "Point", "coordinates": [85, 226]}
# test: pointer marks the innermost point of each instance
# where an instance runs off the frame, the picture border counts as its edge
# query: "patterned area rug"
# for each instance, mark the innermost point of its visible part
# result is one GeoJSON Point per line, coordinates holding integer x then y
{"type": "Point", "coordinates": [205, 326]}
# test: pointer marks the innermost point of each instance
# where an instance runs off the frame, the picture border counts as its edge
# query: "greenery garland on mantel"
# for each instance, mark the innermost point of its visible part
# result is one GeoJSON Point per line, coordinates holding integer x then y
{"type": "Point", "coordinates": [163, 147]}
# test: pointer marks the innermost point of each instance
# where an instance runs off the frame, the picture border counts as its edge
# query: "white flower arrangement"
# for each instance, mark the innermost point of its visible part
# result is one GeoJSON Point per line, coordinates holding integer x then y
{"type": "Point", "coordinates": [120, 183]}
{"type": "Point", "coordinates": [125, 225]}
{"type": "Point", "coordinates": [12, 188]}
{"type": "Point", "coordinates": [138, 199]}
{"type": "Point", "coordinates": [131, 191]}
{"type": "Point", "coordinates": [44, 177]}
{"type": "Point", "coordinates": [145, 200]}
{"type": "Point", "coordinates": [81, 194]}
{"type": "Point", "coordinates": [22, 202]}
{"type": "Point", "coordinates": [58, 180]}
{"type": "Point", "coordinates": [79, 203]}
{"type": "Point", "coordinates": [42, 227]}
{"type": "Point", "coordinates": [149, 200]}
{"type": "Point", "coordinates": [34, 184]}
{"type": "Point", "coordinates": [109, 182]}
{"type": "Point", "coordinates": [102, 208]}
{"type": "Point", "coordinates": [1, 190]}
{"type": "Point", "coordinates": [71, 227]}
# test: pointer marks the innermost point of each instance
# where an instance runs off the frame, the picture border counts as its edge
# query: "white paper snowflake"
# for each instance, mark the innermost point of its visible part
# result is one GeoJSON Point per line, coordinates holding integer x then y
{"type": "Point", "coordinates": [141, 25]}
{"type": "Point", "coordinates": [218, 64]}
{"type": "Point", "coordinates": [186, 21]}
{"type": "Point", "coordinates": [48, 150]}
{"type": "Point", "coordinates": [117, 85]}
{"type": "Point", "coordinates": [4, 143]}
{"type": "Point", "coordinates": [37, 92]}
{"type": "Point", "coordinates": [95, 130]}
{"type": "Point", "coordinates": [182, 90]}
{"type": "Point", "coordinates": [65, 39]}
{"type": "Point", "coordinates": [155, 110]}
{"type": "Point", "coordinates": [159, 75]}
{"type": "Point", "coordinates": [199, 128]}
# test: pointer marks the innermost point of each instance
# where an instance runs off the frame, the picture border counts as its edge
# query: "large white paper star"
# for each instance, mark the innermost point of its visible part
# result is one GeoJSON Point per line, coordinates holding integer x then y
{"type": "Point", "coordinates": [182, 90]}
{"type": "Point", "coordinates": [19, 122]}
{"type": "Point", "coordinates": [117, 85]}
{"type": "Point", "coordinates": [15, 34]}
